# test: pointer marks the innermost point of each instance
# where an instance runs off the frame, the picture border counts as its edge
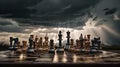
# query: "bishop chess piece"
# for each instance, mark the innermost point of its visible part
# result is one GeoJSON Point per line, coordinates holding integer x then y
{"type": "Point", "coordinates": [31, 43]}
{"type": "Point", "coordinates": [11, 43]}
{"type": "Point", "coordinates": [60, 47]}
{"type": "Point", "coordinates": [81, 39]}
{"type": "Point", "coordinates": [51, 49]}
{"type": "Point", "coordinates": [67, 47]}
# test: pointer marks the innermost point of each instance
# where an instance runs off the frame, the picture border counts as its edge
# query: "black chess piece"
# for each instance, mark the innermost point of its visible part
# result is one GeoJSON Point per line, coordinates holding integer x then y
{"type": "Point", "coordinates": [68, 41]}
{"type": "Point", "coordinates": [31, 43]}
{"type": "Point", "coordinates": [15, 46]}
{"type": "Point", "coordinates": [11, 43]}
{"type": "Point", "coordinates": [60, 48]}
{"type": "Point", "coordinates": [51, 50]}
{"type": "Point", "coordinates": [96, 45]}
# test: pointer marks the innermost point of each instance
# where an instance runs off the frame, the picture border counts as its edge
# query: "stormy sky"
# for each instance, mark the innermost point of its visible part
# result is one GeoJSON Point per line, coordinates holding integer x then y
{"type": "Point", "coordinates": [100, 18]}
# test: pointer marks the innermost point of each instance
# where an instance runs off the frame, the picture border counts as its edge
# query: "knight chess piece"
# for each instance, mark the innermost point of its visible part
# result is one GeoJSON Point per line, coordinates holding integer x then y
{"type": "Point", "coordinates": [16, 40]}
{"type": "Point", "coordinates": [67, 47]}
{"type": "Point", "coordinates": [31, 44]}
{"type": "Point", "coordinates": [51, 50]}
{"type": "Point", "coordinates": [60, 47]}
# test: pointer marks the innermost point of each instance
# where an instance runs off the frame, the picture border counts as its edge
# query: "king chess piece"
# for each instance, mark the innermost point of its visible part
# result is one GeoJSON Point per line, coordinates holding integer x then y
{"type": "Point", "coordinates": [51, 49]}
{"type": "Point", "coordinates": [11, 43]}
{"type": "Point", "coordinates": [67, 47]}
{"type": "Point", "coordinates": [31, 44]}
{"type": "Point", "coordinates": [60, 47]}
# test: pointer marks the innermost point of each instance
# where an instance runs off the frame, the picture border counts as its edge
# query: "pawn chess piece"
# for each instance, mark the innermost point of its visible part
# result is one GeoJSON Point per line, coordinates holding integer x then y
{"type": "Point", "coordinates": [24, 47]}
{"type": "Point", "coordinates": [60, 47]}
{"type": "Point", "coordinates": [31, 43]}
{"type": "Point", "coordinates": [67, 47]}
{"type": "Point", "coordinates": [19, 50]}
{"type": "Point", "coordinates": [11, 43]}
{"type": "Point", "coordinates": [45, 43]}
{"type": "Point", "coordinates": [51, 50]}
{"type": "Point", "coordinates": [40, 45]}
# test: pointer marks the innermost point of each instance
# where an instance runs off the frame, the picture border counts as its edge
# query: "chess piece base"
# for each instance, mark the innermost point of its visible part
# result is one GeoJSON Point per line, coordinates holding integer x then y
{"type": "Point", "coordinates": [59, 50]}
{"type": "Point", "coordinates": [10, 48]}
{"type": "Point", "coordinates": [30, 51]}
{"type": "Point", "coordinates": [51, 51]}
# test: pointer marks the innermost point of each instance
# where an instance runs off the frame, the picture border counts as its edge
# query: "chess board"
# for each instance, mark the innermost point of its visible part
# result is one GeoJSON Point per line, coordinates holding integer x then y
{"type": "Point", "coordinates": [66, 57]}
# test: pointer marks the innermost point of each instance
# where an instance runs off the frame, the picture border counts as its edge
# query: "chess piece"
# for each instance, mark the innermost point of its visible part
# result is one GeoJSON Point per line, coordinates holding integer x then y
{"type": "Point", "coordinates": [15, 43]}
{"type": "Point", "coordinates": [36, 42]}
{"type": "Point", "coordinates": [72, 43]}
{"type": "Point", "coordinates": [51, 50]}
{"type": "Point", "coordinates": [31, 42]}
{"type": "Point", "coordinates": [81, 42]}
{"type": "Point", "coordinates": [96, 45]}
{"type": "Point", "coordinates": [19, 50]}
{"type": "Point", "coordinates": [40, 42]}
{"type": "Point", "coordinates": [11, 43]}
{"type": "Point", "coordinates": [68, 41]}
{"type": "Point", "coordinates": [45, 43]}
{"type": "Point", "coordinates": [60, 47]}
{"type": "Point", "coordinates": [25, 47]}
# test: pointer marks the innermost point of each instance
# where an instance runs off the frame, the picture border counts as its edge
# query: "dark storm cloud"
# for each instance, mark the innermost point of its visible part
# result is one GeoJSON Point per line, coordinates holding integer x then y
{"type": "Point", "coordinates": [17, 8]}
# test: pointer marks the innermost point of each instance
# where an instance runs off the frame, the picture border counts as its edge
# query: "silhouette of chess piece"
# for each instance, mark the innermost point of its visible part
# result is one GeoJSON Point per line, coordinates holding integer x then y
{"type": "Point", "coordinates": [81, 39]}
{"type": "Point", "coordinates": [96, 45]}
{"type": "Point", "coordinates": [60, 47]}
{"type": "Point", "coordinates": [51, 50]}
{"type": "Point", "coordinates": [15, 43]}
{"type": "Point", "coordinates": [24, 47]}
{"type": "Point", "coordinates": [40, 43]}
{"type": "Point", "coordinates": [67, 47]}
{"type": "Point", "coordinates": [11, 43]}
{"type": "Point", "coordinates": [45, 43]}
{"type": "Point", "coordinates": [31, 43]}
{"type": "Point", "coordinates": [19, 50]}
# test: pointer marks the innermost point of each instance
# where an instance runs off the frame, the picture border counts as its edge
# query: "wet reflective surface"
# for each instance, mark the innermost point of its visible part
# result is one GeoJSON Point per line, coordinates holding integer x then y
{"type": "Point", "coordinates": [66, 57]}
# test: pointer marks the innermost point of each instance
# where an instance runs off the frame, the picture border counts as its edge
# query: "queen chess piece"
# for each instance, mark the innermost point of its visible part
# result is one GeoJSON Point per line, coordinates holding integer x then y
{"type": "Point", "coordinates": [51, 49]}
{"type": "Point", "coordinates": [60, 47]}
